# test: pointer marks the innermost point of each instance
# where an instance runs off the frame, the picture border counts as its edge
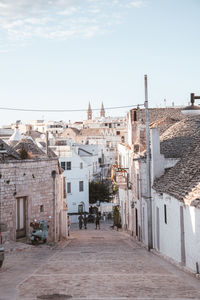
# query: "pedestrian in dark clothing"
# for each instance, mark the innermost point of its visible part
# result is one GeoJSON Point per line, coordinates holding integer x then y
{"type": "Point", "coordinates": [97, 220]}
{"type": "Point", "coordinates": [69, 224]}
{"type": "Point", "coordinates": [85, 221]}
{"type": "Point", "coordinates": [80, 219]}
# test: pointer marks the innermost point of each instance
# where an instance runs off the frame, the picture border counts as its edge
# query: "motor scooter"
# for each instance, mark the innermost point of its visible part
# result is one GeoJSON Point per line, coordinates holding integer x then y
{"type": "Point", "coordinates": [1, 256]}
{"type": "Point", "coordinates": [3, 228]}
{"type": "Point", "coordinates": [40, 231]}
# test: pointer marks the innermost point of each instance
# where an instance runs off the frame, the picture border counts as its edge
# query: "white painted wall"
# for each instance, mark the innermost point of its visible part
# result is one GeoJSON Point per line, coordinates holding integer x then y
{"type": "Point", "coordinates": [157, 160]}
{"type": "Point", "coordinates": [74, 176]}
{"type": "Point", "coordinates": [91, 156]}
{"type": "Point", "coordinates": [192, 236]}
{"type": "Point", "coordinates": [170, 233]}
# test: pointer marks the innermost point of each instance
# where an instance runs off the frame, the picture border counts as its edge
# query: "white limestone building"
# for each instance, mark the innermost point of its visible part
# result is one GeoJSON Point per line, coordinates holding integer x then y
{"type": "Point", "coordinates": [77, 180]}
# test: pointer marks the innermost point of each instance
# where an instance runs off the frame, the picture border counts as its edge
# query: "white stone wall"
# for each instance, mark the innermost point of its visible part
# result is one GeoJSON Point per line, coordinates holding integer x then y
{"type": "Point", "coordinates": [125, 198]}
{"type": "Point", "coordinates": [170, 233]}
{"type": "Point", "coordinates": [157, 160]}
{"type": "Point", "coordinates": [192, 236]}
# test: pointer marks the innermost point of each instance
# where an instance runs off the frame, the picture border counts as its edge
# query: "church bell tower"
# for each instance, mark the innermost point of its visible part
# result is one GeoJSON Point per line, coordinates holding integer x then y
{"type": "Point", "coordinates": [89, 112]}
{"type": "Point", "coordinates": [102, 112]}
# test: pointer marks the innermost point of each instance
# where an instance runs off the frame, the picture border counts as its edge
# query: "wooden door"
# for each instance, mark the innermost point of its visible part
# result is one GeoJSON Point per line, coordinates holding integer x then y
{"type": "Point", "coordinates": [20, 217]}
{"type": "Point", "coordinates": [158, 228]}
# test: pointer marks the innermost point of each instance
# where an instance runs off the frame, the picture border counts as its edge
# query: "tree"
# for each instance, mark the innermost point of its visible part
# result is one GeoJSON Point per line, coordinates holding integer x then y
{"type": "Point", "coordinates": [116, 217]}
{"type": "Point", "coordinates": [23, 153]}
{"type": "Point", "coordinates": [100, 191]}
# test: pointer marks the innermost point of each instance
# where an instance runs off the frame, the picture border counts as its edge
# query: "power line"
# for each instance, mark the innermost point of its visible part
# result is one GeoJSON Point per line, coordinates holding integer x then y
{"type": "Point", "coordinates": [66, 110]}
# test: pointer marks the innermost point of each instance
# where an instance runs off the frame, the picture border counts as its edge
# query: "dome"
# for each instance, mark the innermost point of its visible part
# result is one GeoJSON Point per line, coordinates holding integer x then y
{"type": "Point", "coordinates": [16, 136]}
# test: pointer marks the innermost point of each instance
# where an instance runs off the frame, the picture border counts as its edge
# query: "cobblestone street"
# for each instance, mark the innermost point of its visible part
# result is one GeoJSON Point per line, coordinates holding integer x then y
{"type": "Point", "coordinates": [94, 264]}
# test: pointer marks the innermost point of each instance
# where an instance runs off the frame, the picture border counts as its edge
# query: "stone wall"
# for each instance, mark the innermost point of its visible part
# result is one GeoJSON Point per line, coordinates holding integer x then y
{"type": "Point", "coordinates": [33, 180]}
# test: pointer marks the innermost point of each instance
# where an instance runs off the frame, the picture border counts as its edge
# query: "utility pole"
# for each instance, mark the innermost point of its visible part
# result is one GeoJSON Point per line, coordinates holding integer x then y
{"type": "Point", "coordinates": [53, 174]}
{"type": "Point", "coordinates": [148, 168]}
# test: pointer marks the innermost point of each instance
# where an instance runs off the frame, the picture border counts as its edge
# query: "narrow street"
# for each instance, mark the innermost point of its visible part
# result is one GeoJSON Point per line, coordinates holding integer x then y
{"type": "Point", "coordinates": [94, 264]}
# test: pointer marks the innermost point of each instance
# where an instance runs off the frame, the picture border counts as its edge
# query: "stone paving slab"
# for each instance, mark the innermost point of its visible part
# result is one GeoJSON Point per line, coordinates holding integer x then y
{"type": "Point", "coordinates": [101, 267]}
{"type": "Point", "coordinates": [103, 285]}
{"type": "Point", "coordinates": [96, 265]}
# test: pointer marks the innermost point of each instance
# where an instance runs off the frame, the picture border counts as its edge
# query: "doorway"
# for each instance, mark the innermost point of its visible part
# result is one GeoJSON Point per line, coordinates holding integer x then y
{"type": "Point", "coordinates": [136, 222]}
{"type": "Point", "coordinates": [20, 217]}
{"type": "Point", "coordinates": [183, 259]}
{"type": "Point", "coordinates": [158, 228]}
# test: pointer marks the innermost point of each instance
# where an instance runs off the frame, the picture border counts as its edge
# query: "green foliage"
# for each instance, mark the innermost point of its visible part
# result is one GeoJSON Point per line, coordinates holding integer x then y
{"type": "Point", "coordinates": [23, 153]}
{"type": "Point", "coordinates": [116, 217]}
{"type": "Point", "coordinates": [100, 191]}
{"type": "Point", "coordinates": [114, 188]}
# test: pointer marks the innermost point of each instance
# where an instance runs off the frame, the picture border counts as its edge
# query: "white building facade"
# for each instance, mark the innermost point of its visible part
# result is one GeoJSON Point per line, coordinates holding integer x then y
{"type": "Point", "coordinates": [77, 181]}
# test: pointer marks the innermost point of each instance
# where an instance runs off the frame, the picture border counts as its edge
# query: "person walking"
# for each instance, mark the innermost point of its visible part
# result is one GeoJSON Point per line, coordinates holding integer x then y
{"type": "Point", "coordinates": [80, 220]}
{"type": "Point", "coordinates": [85, 221]}
{"type": "Point", "coordinates": [69, 225]}
{"type": "Point", "coordinates": [97, 220]}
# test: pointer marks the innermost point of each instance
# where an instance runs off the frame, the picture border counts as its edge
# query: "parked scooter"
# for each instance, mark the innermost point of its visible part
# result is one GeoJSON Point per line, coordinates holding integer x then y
{"type": "Point", "coordinates": [40, 232]}
{"type": "Point", "coordinates": [3, 228]}
{"type": "Point", "coordinates": [1, 256]}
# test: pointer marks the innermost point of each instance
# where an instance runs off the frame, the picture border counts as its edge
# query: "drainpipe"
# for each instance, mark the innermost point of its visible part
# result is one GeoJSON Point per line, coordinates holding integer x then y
{"type": "Point", "coordinates": [53, 174]}
{"type": "Point", "coordinates": [148, 168]}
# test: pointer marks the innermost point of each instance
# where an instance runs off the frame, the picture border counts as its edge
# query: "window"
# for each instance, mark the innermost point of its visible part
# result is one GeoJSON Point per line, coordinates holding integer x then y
{"type": "Point", "coordinates": [81, 165]}
{"type": "Point", "coordinates": [41, 208]}
{"type": "Point", "coordinates": [80, 186]}
{"type": "Point", "coordinates": [118, 132]}
{"type": "Point", "coordinates": [69, 165]}
{"type": "Point", "coordinates": [66, 165]}
{"type": "Point", "coordinates": [165, 213]}
{"type": "Point", "coordinates": [69, 187]}
{"type": "Point", "coordinates": [63, 165]}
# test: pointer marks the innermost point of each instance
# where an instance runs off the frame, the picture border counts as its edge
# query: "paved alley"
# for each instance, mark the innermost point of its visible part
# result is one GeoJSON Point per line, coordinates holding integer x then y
{"type": "Point", "coordinates": [96, 264]}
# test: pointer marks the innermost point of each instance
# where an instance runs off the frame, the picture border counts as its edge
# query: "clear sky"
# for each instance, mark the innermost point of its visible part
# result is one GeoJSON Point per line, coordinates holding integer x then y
{"type": "Point", "coordinates": [61, 54]}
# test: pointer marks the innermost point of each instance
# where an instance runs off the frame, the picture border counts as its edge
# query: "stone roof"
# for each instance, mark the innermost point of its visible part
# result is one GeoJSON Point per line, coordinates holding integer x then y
{"type": "Point", "coordinates": [183, 180]}
{"type": "Point", "coordinates": [91, 131]}
{"type": "Point", "coordinates": [16, 136]}
{"type": "Point", "coordinates": [30, 147]}
{"type": "Point", "coordinates": [66, 132]}
{"type": "Point", "coordinates": [159, 113]}
{"type": "Point", "coordinates": [34, 134]}
{"type": "Point", "coordinates": [51, 153]}
{"type": "Point", "coordinates": [180, 137]}
{"type": "Point", "coordinates": [164, 123]}
{"type": "Point", "coordinates": [6, 152]}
